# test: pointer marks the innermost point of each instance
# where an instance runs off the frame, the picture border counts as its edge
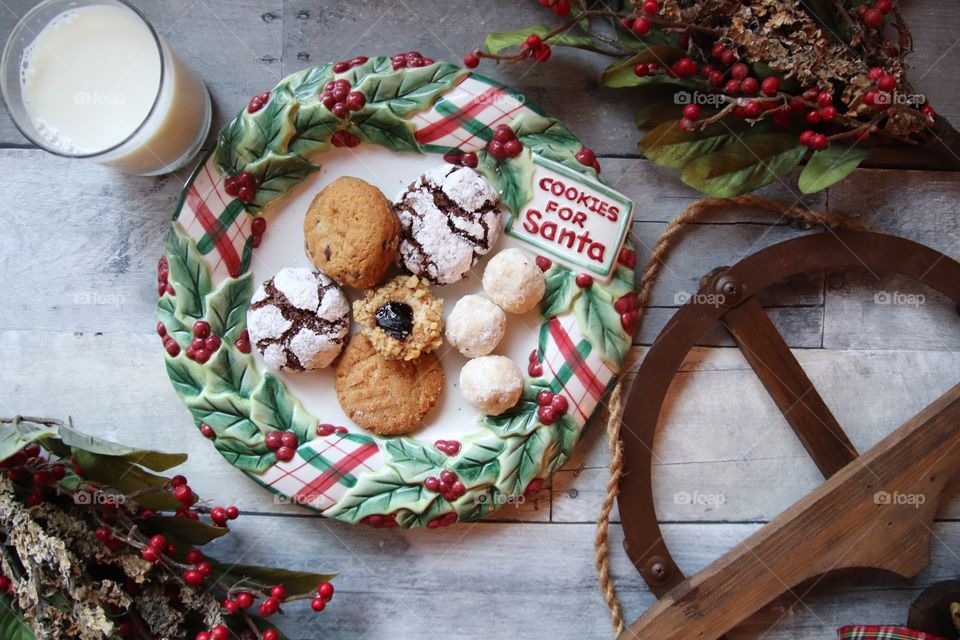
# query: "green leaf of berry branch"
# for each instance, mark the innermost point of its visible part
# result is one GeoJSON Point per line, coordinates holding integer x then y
{"type": "Point", "coordinates": [600, 324]}
{"type": "Point", "coordinates": [12, 625]}
{"type": "Point", "coordinates": [621, 74]}
{"type": "Point", "coordinates": [297, 583]}
{"type": "Point", "coordinates": [513, 178]}
{"type": "Point", "coordinates": [274, 408]}
{"type": "Point", "coordinates": [561, 291]}
{"type": "Point", "coordinates": [315, 126]}
{"type": "Point", "coordinates": [189, 273]}
{"type": "Point", "coordinates": [829, 166]}
{"type": "Point", "coordinates": [155, 460]}
{"type": "Point", "coordinates": [184, 531]}
{"type": "Point", "coordinates": [479, 464]}
{"type": "Point", "coordinates": [381, 492]}
{"type": "Point", "coordinates": [125, 477]}
{"type": "Point", "coordinates": [497, 42]}
{"type": "Point", "coordinates": [227, 307]}
{"type": "Point", "coordinates": [412, 460]}
{"type": "Point", "coordinates": [276, 175]}
{"type": "Point", "coordinates": [746, 164]}
{"type": "Point", "coordinates": [381, 127]}
{"type": "Point", "coordinates": [411, 91]}
{"type": "Point", "coordinates": [667, 145]}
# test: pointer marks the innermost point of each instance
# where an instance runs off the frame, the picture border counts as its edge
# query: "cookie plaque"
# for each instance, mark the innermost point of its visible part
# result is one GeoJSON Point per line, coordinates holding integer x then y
{"type": "Point", "coordinates": [460, 464]}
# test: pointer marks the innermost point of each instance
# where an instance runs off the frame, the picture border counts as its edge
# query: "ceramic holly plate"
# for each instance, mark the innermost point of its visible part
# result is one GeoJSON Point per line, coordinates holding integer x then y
{"type": "Point", "coordinates": [573, 344]}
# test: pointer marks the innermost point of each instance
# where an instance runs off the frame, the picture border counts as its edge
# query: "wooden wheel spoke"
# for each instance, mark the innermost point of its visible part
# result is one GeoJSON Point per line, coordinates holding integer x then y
{"type": "Point", "coordinates": [789, 386]}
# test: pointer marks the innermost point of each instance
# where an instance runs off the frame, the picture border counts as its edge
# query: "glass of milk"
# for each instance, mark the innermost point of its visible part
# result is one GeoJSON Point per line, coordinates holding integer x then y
{"type": "Point", "coordinates": [92, 79]}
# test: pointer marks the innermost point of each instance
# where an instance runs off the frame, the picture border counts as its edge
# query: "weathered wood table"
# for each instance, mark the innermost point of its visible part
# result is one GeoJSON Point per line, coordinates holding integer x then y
{"type": "Point", "coordinates": [78, 257]}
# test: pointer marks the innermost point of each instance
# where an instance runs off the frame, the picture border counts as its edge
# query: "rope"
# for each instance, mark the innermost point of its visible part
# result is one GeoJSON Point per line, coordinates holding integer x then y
{"type": "Point", "coordinates": [665, 243]}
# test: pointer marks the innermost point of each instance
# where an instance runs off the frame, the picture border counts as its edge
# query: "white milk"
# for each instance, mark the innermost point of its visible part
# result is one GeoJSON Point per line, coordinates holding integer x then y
{"type": "Point", "coordinates": [93, 79]}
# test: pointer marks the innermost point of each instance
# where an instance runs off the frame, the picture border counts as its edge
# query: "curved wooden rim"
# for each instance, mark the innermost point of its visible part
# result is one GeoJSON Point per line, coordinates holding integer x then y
{"type": "Point", "coordinates": [643, 538]}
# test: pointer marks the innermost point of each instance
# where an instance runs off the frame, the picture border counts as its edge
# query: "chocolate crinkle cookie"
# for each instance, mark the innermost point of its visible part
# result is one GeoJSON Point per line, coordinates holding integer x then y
{"type": "Point", "coordinates": [298, 320]}
{"type": "Point", "coordinates": [449, 218]}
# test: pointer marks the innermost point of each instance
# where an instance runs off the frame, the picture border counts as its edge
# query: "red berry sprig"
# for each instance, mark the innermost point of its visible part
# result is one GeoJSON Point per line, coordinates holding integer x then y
{"type": "Point", "coordinates": [257, 228]}
{"type": "Point", "coordinates": [626, 306]}
{"type": "Point", "coordinates": [338, 98]}
{"type": "Point", "coordinates": [442, 521]}
{"type": "Point", "coordinates": [163, 275]}
{"type": "Point", "coordinates": [221, 515]}
{"type": "Point", "coordinates": [504, 143]}
{"type": "Point", "coordinates": [550, 406]}
{"type": "Point", "coordinates": [588, 158]}
{"type": "Point", "coordinates": [377, 521]}
{"type": "Point", "coordinates": [873, 16]}
{"type": "Point", "coordinates": [329, 429]}
{"type": "Point", "coordinates": [258, 102]}
{"type": "Point", "coordinates": [242, 343]}
{"type": "Point", "coordinates": [409, 60]}
{"type": "Point", "coordinates": [544, 263]}
{"type": "Point", "coordinates": [283, 444]}
{"type": "Point", "coordinates": [345, 65]}
{"type": "Point", "coordinates": [449, 447]}
{"type": "Point", "coordinates": [169, 344]}
{"type": "Point", "coordinates": [627, 257]}
{"type": "Point", "coordinates": [242, 186]}
{"type": "Point", "coordinates": [447, 485]}
{"type": "Point", "coordinates": [535, 47]}
{"type": "Point", "coordinates": [204, 343]}
{"type": "Point", "coordinates": [461, 158]}
{"type": "Point", "coordinates": [559, 7]}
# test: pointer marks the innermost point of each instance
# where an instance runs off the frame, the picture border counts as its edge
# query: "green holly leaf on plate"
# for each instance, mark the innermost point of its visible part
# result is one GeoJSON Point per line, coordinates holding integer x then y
{"type": "Point", "coordinates": [561, 291]}
{"type": "Point", "coordinates": [175, 327]}
{"type": "Point", "coordinates": [600, 324]}
{"type": "Point", "coordinates": [829, 166]}
{"type": "Point", "coordinates": [522, 461]}
{"type": "Point", "coordinates": [381, 492]}
{"type": "Point", "coordinates": [274, 408]}
{"type": "Point", "coordinates": [374, 66]}
{"type": "Point", "coordinates": [522, 418]}
{"type": "Point", "coordinates": [189, 273]}
{"type": "Point", "coordinates": [412, 90]}
{"type": "Point", "coordinates": [746, 164]}
{"type": "Point", "coordinates": [276, 175]}
{"type": "Point", "coordinates": [229, 416]}
{"type": "Point", "coordinates": [412, 460]}
{"type": "Point", "coordinates": [384, 128]}
{"type": "Point", "coordinates": [231, 372]}
{"type": "Point", "coordinates": [565, 433]}
{"type": "Point", "coordinates": [497, 42]}
{"type": "Point", "coordinates": [512, 178]}
{"type": "Point", "coordinates": [307, 85]}
{"type": "Point", "coordinates": [242, 458]}
{"type": "Point", "coordinates": [227, 307]}
{"type": "Point", "coordinates": [551, 139]}
{"type": "Point", "coordinates": [315, 127]}
{"type": "Point", "coordinates": [251, 136]}
{"type": "Point", "coordinates": [479, 463]}
{"type": "Point", "coordinates": [186, 375]}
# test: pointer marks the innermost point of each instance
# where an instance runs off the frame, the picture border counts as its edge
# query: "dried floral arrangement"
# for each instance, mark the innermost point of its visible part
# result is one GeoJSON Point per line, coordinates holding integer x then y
{"type": "Point", "coordinates": [95, 545]}
{"type": "Point", "coordinates": [737, 94]}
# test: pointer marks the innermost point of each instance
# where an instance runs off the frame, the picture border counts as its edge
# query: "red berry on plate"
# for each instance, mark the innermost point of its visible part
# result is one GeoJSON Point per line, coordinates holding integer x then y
{"type": "Point", "coordinates": [469, 159]}
{"type": "Point", "coordinates": [586, 157]}
{"type": "Point", "coordinates": [547, 415]}
{"type": "Point", "coordinates": [535, 369]}
{"type": "Point", "coordinates": [559, 404]}
{"type": "Point", "coordinates": [272, 440]}
{"type": "Point", "coordinates": [355, 100]}
{"type": "Point", "coordinates": [512, 148]}
{"type": "Point", "coordinates": [584, 280]}
{"type": "Point", "coordinates": [246, 194]}
{"type": "Point", "coordinates": [230, 186]}
{"type": "Point", "coordinates": [544, 397]}
{"type": "Point", "coordinates": [447, 476]}
{"type": "Point", "coordinates": [340, 110]}
{"type": "Point", "coordinates": [496, 151]}
{"type": "Point", "coordinates": [201, 329]}
{"type": "Point", "coordinates": [544, 263]}
{"type": "Point", "coordinates": [285, 454]}
{"type": "Point", "coordinates": [503, 133]}
{"type": "Point", "coordinates": [258, 226]}
{"type": "Point", "coordinates": [431, 483]}
{"type": "Point", "coordinates": [289, 439]}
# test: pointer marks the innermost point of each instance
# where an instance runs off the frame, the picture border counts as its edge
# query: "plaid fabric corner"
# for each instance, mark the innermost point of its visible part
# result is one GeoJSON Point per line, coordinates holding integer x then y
{"type": "Point", "coordinates": [579, 374]}
{"type": "Point", "coordinates": [323, 469]}
{"type": "Point", "coordinates": [879, 632]}
{"type": "Point", "coordinates": [218, 223]}
{"type": "Point", "coordinates": [463, 117]}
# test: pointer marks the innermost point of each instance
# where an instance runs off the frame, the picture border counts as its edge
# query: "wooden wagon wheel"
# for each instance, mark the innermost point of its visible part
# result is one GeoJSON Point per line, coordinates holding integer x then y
{"type": "Point", "coordinates": [920, 456]}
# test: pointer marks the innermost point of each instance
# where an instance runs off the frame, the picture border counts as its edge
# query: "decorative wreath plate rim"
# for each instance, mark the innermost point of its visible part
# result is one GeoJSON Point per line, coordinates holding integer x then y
{"type": "Point", "coordinates": [339, 471]}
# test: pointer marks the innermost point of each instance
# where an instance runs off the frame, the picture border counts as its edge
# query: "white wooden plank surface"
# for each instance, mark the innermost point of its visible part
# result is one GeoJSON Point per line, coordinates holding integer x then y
{"type": "Point", "coordinates": [78, 260]}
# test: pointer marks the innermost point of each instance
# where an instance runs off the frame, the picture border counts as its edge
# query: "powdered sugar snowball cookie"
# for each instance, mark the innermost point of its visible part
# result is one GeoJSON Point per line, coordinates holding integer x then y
{"type": "Point", "coordinates": [514, 281]}
{"type": "Point", "coordinates": [475, 326]}
{"type": "Point", "coordinates": [492, 384]}
{"type": "Point", "coordinates": [449, 218]}
{"type": "Point", "coordinates": [298, 320]}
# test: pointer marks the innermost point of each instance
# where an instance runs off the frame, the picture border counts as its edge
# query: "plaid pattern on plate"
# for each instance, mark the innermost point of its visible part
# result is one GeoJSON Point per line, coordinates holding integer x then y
{"type": "Point", "coordinates": [878, 632]}
{"type": "Point", "coordinates": [323, 469]}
